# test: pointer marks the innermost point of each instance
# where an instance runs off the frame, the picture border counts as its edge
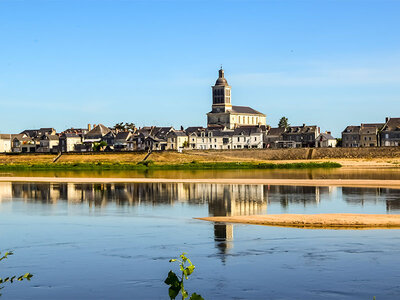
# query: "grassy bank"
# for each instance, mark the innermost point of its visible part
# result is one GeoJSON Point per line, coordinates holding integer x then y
{"type": "Point", "coordinates": [156, 166]}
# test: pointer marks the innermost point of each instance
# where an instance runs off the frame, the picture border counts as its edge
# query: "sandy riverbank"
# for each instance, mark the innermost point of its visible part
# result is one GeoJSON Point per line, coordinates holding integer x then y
{"type": "Point", "coordinates": [395, 184]}
{"type": "Point", "coordinates": [317, 221]}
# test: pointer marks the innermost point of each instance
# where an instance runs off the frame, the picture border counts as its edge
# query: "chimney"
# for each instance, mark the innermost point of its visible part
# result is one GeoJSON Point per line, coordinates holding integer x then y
{"type": "Point", "coordinates": [328, 132]}
{"type": "Point", "coordinates": [304, 125]}
{"type": "Point", "coordinates": [94, 125]}
{"type": "Point", "coordinates": [386, 119]}
{"type": "Point", "coordinates": [89, 127]}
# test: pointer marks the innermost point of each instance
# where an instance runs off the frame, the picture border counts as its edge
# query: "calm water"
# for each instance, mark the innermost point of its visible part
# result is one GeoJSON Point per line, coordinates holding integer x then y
{"type": "Point", "coordinates": [339, 173]}
{"type": "Point", "coordinates": [113, 241]}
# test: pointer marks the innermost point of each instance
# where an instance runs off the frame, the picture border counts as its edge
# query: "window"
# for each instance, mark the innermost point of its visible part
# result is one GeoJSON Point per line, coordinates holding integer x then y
{"type": "Point", "coordinates": [215, 140]}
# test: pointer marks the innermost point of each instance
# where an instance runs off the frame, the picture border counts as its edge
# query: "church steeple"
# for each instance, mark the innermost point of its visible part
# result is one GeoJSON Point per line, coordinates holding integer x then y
{"type": "Point", "coordinates": [221, 94]}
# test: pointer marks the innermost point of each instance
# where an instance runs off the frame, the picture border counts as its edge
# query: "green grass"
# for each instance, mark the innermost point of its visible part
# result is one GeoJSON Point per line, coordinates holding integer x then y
{"type": "Point", "coordinates": [154, 166]}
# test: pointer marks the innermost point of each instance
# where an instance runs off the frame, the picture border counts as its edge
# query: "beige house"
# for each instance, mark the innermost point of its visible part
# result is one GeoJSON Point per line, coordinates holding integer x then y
{"type": "Point", "coordinates": [239, 138]}
{"type": "Point", "coordinates": [176, 140]}
{"type": "Point", "coordinates": [325, 140]}
{"type": "Point", "coordinates": [224, 115]}
{"type": "Point", "coordinates": [68, 141]}
{"type": "Point", "coordinates": [5, 143]}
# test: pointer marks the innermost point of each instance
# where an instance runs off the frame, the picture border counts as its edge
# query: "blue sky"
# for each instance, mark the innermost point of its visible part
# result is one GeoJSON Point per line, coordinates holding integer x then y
{"type": "Point", "coordinates": [69, 63]}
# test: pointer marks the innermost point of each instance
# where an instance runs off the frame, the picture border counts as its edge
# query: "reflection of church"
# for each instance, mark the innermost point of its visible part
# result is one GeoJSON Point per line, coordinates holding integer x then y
{"type": "Point", "coordinates": [233, 200]}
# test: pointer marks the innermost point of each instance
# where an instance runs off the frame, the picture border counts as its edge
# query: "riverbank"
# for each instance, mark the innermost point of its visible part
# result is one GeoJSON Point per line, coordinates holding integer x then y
{"type": "Point", "coordinates": [211, 159]}
{"type": "Point", "coordinates": [393, 184]}
{"type": "Point", "coordinates": [160, 166]}
{"type": "Point", "coordinates": [316, 221]}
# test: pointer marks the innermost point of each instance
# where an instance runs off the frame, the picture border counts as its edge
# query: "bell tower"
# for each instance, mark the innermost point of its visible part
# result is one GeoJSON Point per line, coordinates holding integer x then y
{"type": "Point", "coordinates": [221, 94]}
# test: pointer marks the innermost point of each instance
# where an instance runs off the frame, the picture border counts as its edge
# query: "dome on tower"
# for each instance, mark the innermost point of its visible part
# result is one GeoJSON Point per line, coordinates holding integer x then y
{"type": "Point", "coordinates": [221, 79]}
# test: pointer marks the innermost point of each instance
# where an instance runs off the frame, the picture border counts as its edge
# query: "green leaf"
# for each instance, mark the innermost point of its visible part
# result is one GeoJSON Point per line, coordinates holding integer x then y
{"type": "Point", "coordinates": [172, 279]}
{"type": "Point", "coordinates": [173, 292]}
{"type": "Point", "coordinates": [196, 297]}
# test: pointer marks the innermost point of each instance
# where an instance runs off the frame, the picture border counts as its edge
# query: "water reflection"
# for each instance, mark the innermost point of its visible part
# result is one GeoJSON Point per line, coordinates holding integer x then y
{"type": "Point", "coordinates": [220, 199]}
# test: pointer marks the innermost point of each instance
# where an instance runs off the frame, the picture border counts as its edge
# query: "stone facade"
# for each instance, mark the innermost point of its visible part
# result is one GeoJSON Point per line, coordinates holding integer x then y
{"type": "Point", "coordinates": [226, 116]}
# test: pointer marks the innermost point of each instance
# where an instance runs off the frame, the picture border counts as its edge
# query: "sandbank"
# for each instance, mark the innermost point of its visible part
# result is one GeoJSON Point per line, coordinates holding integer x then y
{"type": "Point", "coordinates": [316, 221]}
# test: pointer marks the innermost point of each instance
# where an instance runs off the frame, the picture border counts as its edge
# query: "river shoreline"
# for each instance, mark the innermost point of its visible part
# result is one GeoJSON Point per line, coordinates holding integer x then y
{"type": "Point", "coordinates": [366, 183]}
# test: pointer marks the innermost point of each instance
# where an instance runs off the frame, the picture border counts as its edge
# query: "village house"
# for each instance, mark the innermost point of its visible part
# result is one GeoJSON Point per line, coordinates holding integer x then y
{"type": "Point", "coordinates": [95, 135]}
{"type": "Point", "coordinates": [299, 136]}
{"type": "Point", "coordinates": [239, 138]}
{"type": "Point", "coordinates": [157, 139]}
{"type": "Point", "coordinates": [37, 133]}
{"type": "Point", "coordinates": [247, 137]}
{"type": "Point", "coordinates": [68, 142]}
{"type": "Point", "coordinates": [325, 140]}
{"type": "Point", "coordinates": [369, 134]}
{"type": "Point", "coordinates": [121, 141]}
{"type": "Point", "coordinates": [390, 133]}
{"type": "Point", "coordinates": [22, 143]}
{"type": "Point", "coordinates": [48, 143]}
{"type": "Point", "coordinates": [177, 140]}
{"type": "Point", "coordinates": [5, 143]}
{"type": "Point", "coordinates": [273, 136]}
{"type": "Point", "coordinates": [351, 136]}
{"type": "Point", "coordinates": [212, 139]}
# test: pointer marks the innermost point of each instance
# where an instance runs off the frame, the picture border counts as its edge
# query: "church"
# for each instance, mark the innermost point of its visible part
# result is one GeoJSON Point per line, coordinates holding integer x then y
{"type": "Point", "coordinates": [224, 115]}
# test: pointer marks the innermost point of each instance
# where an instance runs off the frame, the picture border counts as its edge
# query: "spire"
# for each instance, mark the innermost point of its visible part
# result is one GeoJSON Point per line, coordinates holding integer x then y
{"type": "Point", "coordinates": [221, 79]}
{"type": "Point", "coordinates": [221, 72]}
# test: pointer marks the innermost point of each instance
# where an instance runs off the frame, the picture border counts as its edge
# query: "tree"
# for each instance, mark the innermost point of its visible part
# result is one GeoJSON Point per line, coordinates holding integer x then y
{"type": "Point", "coordinates": [283, 123]}
{"type": "Point", "coordinates": [124, 127]}
{"type": "Point", "coordinates": [119, 126]}
{"type": "Point", "coordinates": [99, 146]}
{"type": "Point", "coordinates": [338, 142]}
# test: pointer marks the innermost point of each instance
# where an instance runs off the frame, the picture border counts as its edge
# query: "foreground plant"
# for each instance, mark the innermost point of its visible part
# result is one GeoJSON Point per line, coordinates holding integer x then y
{"type": "Point", "coordinates": [176, 283]}
{"type": "Point", "coordinates": [11, 279]}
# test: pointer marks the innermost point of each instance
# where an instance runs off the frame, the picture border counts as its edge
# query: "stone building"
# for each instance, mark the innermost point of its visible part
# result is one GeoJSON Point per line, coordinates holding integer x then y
{"type": "Point", "coordinates": [351, 136]}
{"type": "Point", "coordinates": [299, 136]}
{"type": "Point", "coordinates": [224, 115]}
{"type": "Point", "coordinates": [390, 133]}
{"type": "Point", "coordinates": [369, 134]}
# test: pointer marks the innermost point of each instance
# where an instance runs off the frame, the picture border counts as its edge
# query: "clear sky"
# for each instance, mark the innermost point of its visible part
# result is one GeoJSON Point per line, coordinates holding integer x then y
{"type": "Point", "coordinates": [69, 63]}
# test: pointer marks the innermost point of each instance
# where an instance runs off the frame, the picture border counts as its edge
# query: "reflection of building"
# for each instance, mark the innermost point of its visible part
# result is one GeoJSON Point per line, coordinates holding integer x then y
{"type": "Point", "coordinates": [305, 195]}
{"type": "Point", "coordinates": [233, 200]}
{"type": "Point", "coordinates": [5, 191]}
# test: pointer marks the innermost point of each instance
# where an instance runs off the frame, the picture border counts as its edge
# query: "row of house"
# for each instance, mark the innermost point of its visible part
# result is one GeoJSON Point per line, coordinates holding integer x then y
{"type": "Point", "coordinates": [373, 134]}
{"type": "Point", "coordinates": [46, 140]}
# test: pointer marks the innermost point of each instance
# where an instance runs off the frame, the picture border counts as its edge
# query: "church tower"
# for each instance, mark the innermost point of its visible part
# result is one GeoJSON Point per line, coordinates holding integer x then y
{"type": "Point", "coordinates": [221, 94]}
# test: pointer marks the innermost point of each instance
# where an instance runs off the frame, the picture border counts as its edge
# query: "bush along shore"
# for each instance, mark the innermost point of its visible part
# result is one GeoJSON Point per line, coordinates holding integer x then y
{"type": "Point", "coordinates": [156, 166]}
